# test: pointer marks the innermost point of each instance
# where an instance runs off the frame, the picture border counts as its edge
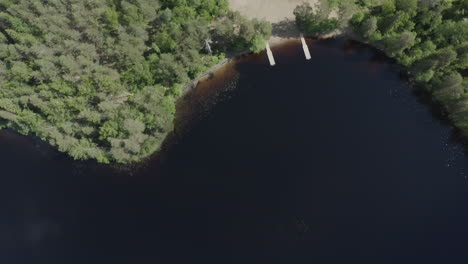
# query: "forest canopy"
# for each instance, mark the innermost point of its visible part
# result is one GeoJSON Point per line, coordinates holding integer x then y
{"type": "Point", "coordinates": [99, 79]}
{"type": "Point", "coordinates": [428, 37]}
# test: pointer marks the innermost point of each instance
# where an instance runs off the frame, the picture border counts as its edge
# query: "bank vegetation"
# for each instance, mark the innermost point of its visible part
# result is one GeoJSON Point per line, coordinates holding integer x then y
{"type": "Point", "coordinates": [99, 79]}
{"type": "Point", "coordinates": [428, 37]}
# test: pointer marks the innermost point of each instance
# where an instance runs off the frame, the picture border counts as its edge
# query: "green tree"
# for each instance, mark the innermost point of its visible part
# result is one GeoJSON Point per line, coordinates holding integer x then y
{"type": "Point", "coordinates": [408, 6]}
{"type": "Point", "coordinates": [427, 36]}
{"type": "Point", "coordinates": [369, 27]}
{"type": "Point", "coordinates": [257, 44]}
{"type": "Point", "coordinates": [99, 79]}
{"type": "Point", "coordinates": [397, 43]}
{"type": "Point", "coordinates": [315, 22]}
{"type": "Point", "coordinates": [449, 88]}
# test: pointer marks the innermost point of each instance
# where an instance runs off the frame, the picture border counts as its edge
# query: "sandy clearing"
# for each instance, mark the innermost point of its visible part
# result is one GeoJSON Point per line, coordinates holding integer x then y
{"type": "Point", "coordinates": [273, 11]}
{"type": "Point", "coordinates": [278, 12]}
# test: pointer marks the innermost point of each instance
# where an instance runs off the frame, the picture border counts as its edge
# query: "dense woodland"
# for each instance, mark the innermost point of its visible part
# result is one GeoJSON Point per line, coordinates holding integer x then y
{"type": "Point", "coordinates": [99, 79]}
{"type": "Point", "coordinates": [428, 37]}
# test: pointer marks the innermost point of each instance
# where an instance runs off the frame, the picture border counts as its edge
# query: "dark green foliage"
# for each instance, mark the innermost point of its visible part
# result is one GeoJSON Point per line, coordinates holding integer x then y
{"type": "Point", "coordinates": [369, 27]}
{"type": "Point", "coordinates": [449, 87]}
{"type": "Point", "coordinates": [429, 37]}
{"type": "Point", "coordinates": [396, 22]}
{"type": "Point", "coordinates": [408, 6]}
{"type": "Point", "coordinates": [99, 78]}
{"type": "Point", "coordinates": [315, 20]}
{"type": "Point", "coordinates": [462, 60]}
{"type": "Point", "coordinates": [396, 43]}
{"type": "Point", "coordinates": [241, 33]}
{"type": "Point", "coordinates": [303, 14]}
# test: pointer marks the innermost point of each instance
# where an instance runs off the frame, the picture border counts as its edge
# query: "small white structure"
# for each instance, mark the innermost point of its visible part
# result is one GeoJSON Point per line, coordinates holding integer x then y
{"type": "Point", "coordinates": [306, 48]}
{"type": "Point", "coordinates": [208, 43]}
{"type": "Point", "coordinates": [270, 55]}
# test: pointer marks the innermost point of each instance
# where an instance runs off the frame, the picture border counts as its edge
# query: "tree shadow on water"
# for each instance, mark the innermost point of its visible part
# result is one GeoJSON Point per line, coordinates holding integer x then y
{"type": "Point", "coordinates": [285, 29]}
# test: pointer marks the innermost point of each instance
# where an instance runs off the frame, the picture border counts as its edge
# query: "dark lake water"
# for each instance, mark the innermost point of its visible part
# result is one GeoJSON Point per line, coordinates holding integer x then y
{"type": "Point", "coordinates": [332, 160]}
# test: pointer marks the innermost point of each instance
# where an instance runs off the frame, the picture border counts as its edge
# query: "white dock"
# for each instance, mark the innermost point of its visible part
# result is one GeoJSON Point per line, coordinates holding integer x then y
{"type": "Point", "coordinates": [270, 55]}
{"type": "Point", "coordinates": [306, 48]}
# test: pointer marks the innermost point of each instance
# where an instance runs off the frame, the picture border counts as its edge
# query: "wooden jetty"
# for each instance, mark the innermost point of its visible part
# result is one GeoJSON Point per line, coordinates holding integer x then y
{"type": "Point", "coordinates": [270, 55]}
{"type": "Point", "coordinates": [306, 48]}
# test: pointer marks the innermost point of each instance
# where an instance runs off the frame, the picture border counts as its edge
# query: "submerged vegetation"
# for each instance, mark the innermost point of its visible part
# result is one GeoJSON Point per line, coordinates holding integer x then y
{"type": "Point", "coordinates": [428, 37]}
{"type": "Point", "coordinates": [99, 79]}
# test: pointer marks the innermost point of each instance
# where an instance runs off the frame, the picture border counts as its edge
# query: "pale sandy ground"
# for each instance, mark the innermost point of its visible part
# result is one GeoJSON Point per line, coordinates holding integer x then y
{"type": "Point", "coordinates": [271, 10]}
{"type": "Point", "coordinates": [278, 12]}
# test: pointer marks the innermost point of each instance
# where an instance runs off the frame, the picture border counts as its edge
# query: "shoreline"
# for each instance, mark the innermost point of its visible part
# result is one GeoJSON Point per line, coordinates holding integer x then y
{"type": "Point", "coordinates": [275, 41]}
{"type": "Point", "coordinates": [185, 100]}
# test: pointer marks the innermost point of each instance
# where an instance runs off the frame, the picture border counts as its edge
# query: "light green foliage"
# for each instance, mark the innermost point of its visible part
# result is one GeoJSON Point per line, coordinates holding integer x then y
{"type": "Point", "coordinates": [386, 7]}
{"type": "Point", "coordinates": [419, 51]}
{"type": "Point", "coordinates": [99, 78]}
{"type": "Point", "coordinates": [357, 18]}
{"type": "Point", "coordinates": [258, 44]}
